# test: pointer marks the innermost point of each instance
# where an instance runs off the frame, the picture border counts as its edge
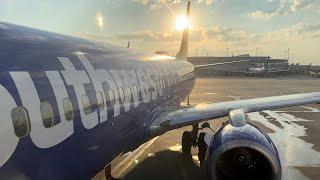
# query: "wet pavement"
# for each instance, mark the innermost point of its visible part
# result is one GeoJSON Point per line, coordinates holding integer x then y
{"type": "Point", "coordinates": [295, 131]}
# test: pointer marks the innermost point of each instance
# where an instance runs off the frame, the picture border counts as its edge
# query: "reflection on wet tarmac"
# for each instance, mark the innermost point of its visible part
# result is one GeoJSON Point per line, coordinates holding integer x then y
{"type": "Point", "coordinates": [293, 151]}
{"type": "Point", "coordinates": [166, 165]}
{"type": "Point", "coordinates": [196, 159]}
{"type": "Point", "coordinates": [151, 155]}
{"type": "Point", "coordinates": [177, 147]}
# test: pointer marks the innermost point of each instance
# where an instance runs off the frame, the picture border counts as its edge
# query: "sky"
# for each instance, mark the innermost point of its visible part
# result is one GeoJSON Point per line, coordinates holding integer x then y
{"type": "Point", "coordinates": [263, 27]}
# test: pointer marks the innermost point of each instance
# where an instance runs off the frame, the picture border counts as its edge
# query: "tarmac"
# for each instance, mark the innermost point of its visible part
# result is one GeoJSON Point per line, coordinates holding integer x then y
{"type": "Point", "coordinates": [295, 131]}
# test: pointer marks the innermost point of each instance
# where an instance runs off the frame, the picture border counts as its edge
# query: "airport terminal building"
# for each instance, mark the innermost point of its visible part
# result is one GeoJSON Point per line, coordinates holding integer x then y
{"type": "Point", "coordinates": [253, 62]}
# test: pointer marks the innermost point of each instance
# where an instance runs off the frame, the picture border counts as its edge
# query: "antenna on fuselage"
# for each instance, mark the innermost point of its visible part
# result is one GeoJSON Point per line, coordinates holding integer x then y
{"type": "Point", "coordinates": [183, 52]}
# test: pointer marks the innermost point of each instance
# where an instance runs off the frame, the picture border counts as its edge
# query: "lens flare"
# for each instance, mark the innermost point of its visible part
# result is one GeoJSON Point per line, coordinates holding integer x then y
{"type": "Point", "coordinates": [100, 20]}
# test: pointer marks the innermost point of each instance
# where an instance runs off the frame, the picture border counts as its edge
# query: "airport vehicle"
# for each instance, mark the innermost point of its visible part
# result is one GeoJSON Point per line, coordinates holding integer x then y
{"type": "Point", "coordinates": [70, 106]}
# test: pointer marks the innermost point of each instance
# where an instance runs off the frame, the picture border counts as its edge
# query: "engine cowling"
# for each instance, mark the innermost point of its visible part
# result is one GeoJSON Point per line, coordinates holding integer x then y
{"type": "Point", "coordinates": [242, 151]}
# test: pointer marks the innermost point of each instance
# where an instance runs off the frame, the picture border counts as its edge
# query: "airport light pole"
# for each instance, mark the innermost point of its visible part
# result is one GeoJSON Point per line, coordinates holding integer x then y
{"type": "Point", "coordinates": [285, 54]}
{"type": "Point", "coordinates": [196, 52]}
{"type": "Point", "coordinates": [288, 54]}
{"type": "Point", "coordinates": [227, 52]}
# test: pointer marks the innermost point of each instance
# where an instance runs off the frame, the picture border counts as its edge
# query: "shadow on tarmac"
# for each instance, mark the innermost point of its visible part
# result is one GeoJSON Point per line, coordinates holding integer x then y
{"type": "Point", "coordinates": [166, 165]}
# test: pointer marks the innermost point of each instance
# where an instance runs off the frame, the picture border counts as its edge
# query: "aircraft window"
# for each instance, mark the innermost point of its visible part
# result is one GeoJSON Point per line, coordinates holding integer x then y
{"type": "Point", "coordinates": [121, 94]}
{"type": "Point", "coordinates": [151, 88]}
{"type": "Point", "coordinates": [159, 84]}
{"type": "Point", "coordinates": [106, 94]}
{"type": "Point", "coordinates": [135, 89]}
{"type": "Point", "coordinates": [68, 109]}
{"type": "Point", "coordinates": [47, 114]}
{"type": "Point", "coordinates": [128, 94]}
{"type": "Point", "coordinates": [21, 121]}
{"type": "Point", "coordinates": [111, 97]}
{"type": "Point", "coordinates": [163, 83]}
{"type": "Point", "coordinates": [86, 104]}
{"type": "Point", "coordinates": [100, 100]}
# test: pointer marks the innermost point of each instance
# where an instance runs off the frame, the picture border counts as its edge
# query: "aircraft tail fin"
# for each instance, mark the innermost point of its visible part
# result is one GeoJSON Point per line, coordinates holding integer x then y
{"type": "Point", "coordinates": [267, 63]}
{"type": "Point", "coordinates": [183, 52]}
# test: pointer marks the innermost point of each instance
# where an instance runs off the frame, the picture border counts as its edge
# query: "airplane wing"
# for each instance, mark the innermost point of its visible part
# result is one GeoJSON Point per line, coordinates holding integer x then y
{"type": "Point", "coordinates": [170, 118]}
{"type": "Point", "coordinates": [218, 64]}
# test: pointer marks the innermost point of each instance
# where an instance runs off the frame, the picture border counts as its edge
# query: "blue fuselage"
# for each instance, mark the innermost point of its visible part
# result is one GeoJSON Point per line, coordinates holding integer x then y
{"type": "Point", "coordinates": [85, 102]}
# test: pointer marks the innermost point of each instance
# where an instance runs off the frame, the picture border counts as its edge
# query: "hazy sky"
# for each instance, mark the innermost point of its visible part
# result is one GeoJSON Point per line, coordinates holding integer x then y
{"type": "Point", "coordinates": [240, 25]}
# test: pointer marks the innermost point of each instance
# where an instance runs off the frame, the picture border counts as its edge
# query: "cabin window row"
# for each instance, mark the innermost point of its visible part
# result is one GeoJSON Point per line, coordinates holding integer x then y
{"type": "Point", "coordinates": [21, 120]}
{"type": "Point", "coordinates": [20, 116]}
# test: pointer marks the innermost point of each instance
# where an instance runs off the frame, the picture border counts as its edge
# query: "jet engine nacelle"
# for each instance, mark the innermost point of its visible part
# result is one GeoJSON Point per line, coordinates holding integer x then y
{"type": "Point", "coordinates": [242, 151]}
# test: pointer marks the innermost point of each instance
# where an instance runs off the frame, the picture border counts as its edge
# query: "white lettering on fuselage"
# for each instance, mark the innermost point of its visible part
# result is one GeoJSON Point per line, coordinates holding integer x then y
{"type": "Point", "coordinates": [8, 139]}
{"type": "Point", "coordinates": [77, 79]}
{"type": "Point", "coordinates": [42, 137]}
{"type": "Point", "coordinates": [121, 87]}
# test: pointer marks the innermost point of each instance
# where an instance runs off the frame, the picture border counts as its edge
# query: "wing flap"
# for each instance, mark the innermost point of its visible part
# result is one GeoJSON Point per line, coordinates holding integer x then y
{"type": "Point", "coordinates": [173, 118]}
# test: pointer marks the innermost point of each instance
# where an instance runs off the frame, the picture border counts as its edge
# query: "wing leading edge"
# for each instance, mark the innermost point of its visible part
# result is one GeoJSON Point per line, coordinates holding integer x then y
{"type": "Point", "coordinates": [170, 118]}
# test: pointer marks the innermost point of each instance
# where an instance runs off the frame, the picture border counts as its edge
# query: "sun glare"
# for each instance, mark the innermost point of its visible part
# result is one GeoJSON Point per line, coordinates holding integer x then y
{"type": "Point", "coordinates": [181, 23]}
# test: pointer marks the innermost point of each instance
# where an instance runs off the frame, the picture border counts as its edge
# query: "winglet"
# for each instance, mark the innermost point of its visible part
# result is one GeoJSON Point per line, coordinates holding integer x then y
{"type": "Point", "coordinates": [183, 52]}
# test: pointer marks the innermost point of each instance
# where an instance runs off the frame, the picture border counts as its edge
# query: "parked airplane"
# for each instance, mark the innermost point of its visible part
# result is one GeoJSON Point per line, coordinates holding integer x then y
{"type": "Point", "coordinates": [70, 106]}
{"type": "Point", "coordinates": [266, 70]}
{"type": "Point", "coordinates": [315, 74]}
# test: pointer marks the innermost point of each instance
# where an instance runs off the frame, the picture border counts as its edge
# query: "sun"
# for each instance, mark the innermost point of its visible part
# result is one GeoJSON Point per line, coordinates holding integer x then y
{"type": "Point", "coordinates": [181, 23]}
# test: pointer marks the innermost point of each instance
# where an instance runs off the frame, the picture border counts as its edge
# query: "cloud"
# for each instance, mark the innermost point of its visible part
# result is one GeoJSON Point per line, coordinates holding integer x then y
{"type": "Point", "coordinates": [297, 31]}
{"type": "Point", "coordinates": [223, 34]}
{"type": "Point", "coordinates": [196, 35]}
{"type": "Point", "coordinates": [216, 39]}
{"type": "Point", "coordinates": [300, 4]}
{"type": "Point", "coordinates": [155, 4]}
{"type": "Point", "coordinates": [206, 1]}
{"type": "Point", "coordinates": [213, 37]}
{"type": "Point", "coordinates": [285, 7]}
{"type": "Point", "coordinates": [260, 15]}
